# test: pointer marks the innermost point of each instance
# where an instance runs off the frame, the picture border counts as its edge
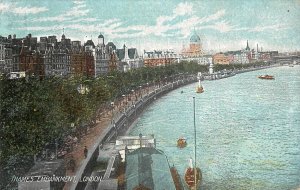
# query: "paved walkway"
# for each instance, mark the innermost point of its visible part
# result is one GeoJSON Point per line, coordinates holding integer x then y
{"type": "Point", "coordinates": [95, 135]}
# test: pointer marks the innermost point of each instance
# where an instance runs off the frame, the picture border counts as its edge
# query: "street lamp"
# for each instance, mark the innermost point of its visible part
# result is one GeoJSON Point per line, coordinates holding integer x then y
{"type": "Point", "coordinates": [147, 88]}
{"type": "Point", "coordinates": [123, 98]}
{"type": "Point", "coordinates": [132, 95]}
{"type": "Point", "coordinates": [112, 111]}
{"type": "Point", "coordinates": [140, 91]}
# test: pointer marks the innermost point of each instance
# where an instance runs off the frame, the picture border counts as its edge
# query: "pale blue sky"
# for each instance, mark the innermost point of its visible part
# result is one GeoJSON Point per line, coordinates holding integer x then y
{"type": "Point", "coordinates": [221, 25]}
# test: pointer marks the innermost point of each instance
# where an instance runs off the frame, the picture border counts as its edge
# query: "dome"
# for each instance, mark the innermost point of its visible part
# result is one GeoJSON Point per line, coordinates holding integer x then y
{"type": "Point", "coordinates": [195, 38]}
{"type": "Point", "coordinates": [100, 36]}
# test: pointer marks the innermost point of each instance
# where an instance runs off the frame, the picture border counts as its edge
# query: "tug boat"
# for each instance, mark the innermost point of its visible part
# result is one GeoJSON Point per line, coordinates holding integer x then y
{"type": "Point", "coordinates": [267, 77]}
{"type": "Point", "coordinates": [199, 88]}
{"type": "Point", "coordinates": [181, 142]}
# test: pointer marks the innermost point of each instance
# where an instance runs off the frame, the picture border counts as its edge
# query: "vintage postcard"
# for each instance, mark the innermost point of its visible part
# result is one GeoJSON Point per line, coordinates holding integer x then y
{"type": "Point", "coordinates": [149, 95]}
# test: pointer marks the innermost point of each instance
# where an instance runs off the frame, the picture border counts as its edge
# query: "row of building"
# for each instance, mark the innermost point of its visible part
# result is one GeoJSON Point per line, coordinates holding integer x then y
{"type": "Point", "coordinates": [196, 53]}
{"type": "Point", "coordinates": [52, 57]}
{"type": "Point", "coordinates": [65, 57]}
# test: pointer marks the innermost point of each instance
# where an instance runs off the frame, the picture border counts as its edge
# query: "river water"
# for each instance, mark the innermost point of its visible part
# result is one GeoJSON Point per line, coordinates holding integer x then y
{"type": "Point", "coordinates": [248, 130]}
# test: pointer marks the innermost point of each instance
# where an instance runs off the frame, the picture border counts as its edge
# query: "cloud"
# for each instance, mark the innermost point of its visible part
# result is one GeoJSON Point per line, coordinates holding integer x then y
{"type": "Point", "coordinates": [275, 27]}
{"type": "Point", "coordinates": [180, 10]}
{"type": "Point", "coordinates": [219, 14]}
{"type": "Point", "coordinates": [183, 9]}
{"type": "Point", "coordinates": [13, 8]}
{"type": "Point", "coordinates": [221, 26]}
{"type": "Point", "coordinates": [29, 10]}
{"type": "Point", "coordinates": [4, 7]}
{"type": "Point", "coordinates": [165, 26]}
{"type": "Point", "coordinates": [78, 10]}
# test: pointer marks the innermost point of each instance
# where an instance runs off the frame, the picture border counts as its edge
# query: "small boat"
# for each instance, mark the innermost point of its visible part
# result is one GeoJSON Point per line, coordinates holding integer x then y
{"type": "Point", "coordinates": [268, 77]}
{"type": "Point", "coordinates": [192, 176]}
{"type": "Point", "coordinates": [199, 88]}
{"type": "Point", "coordinates": [181, 142]}
{"type": "Point", "coordinates": [291, 65]}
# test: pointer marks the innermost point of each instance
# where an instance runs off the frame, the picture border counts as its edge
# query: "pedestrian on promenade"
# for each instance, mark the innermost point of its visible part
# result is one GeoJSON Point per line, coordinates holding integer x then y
{"type": "Point", "coordinates": [85, 152]}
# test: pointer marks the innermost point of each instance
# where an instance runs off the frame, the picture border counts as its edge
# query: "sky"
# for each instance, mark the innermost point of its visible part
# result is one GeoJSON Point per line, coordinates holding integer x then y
{"type": "Point", "coordinates": [160, 24]}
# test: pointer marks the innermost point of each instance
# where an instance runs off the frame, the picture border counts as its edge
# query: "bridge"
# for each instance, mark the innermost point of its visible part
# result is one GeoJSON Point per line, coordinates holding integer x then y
{"type": "Point", "coordinates": [289, 59]}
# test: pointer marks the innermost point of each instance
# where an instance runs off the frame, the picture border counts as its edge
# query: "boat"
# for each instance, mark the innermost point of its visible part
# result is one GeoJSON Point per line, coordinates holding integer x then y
{"type": "Point", "coordinates": [268, 77]}
{"type": "Point", "coordinates": [181, 142]}
{"type": "Point", "coordinates": [291, 65]}
{"type": "Point", "coordinates": [190, 178]}
{"type": "Point", "coordinates": [193, 174]}
{"type": "Point", "coordinates": [199, 88]}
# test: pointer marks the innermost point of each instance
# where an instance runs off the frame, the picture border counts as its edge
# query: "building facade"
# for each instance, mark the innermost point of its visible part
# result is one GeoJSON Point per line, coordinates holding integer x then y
{"type": "Point", "coordinates": [129, 58]}
{"type": "Point", "coordinates": [160, 58]}
{"type": "Point", "coordinates": [221, 58]}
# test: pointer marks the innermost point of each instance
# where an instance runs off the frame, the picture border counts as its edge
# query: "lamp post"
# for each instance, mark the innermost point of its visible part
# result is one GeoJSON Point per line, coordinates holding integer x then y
{"type": "Point", "coordinates": [112, 111]}
{"type": "Point", "coordinates": [147, 88]}
{"type": "Point", "coordinates": [132, 96]}
{"type": "Point", "coordinates": [123, 98]}
{"type": "Point", "coordinates": [140, 91]}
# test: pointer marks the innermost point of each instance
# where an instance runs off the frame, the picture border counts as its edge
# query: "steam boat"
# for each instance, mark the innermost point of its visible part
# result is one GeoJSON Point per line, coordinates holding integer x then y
{"type": "Point", "coordinates": [267, 77]}
{"type": "Point", "coordinates": [199, 88]}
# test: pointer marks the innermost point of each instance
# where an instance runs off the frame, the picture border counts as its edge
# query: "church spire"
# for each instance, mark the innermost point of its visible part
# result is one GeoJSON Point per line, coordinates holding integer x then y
{"type": "Point", "coordinates": [247, 48]}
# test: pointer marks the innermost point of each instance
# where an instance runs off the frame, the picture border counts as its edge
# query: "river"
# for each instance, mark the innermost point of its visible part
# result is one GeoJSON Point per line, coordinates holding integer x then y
{"type": "Point", "coordinates": [248, 130]}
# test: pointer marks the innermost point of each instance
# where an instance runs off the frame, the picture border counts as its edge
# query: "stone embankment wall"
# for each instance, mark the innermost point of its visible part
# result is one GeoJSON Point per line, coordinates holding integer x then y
{"type": "Point", "coordinates": [122, 124]}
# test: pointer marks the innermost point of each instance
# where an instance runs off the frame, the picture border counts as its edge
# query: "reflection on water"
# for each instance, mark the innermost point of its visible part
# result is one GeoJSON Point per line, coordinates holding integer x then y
{"type": "Point", "coordinates": [248, 130]}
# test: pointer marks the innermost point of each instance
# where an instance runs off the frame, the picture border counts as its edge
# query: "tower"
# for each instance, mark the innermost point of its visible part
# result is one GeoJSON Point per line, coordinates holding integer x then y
{"type": "Point", "coordinates": [101, 39]}
{"type": "Point", "coordinates": [125, 52]}
{"type": "Point", "coordinates": [247, 48]}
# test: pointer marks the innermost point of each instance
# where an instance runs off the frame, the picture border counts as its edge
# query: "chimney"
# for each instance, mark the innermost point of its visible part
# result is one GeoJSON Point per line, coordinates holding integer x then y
{"type": "Point", "coordinates": [257, 47]}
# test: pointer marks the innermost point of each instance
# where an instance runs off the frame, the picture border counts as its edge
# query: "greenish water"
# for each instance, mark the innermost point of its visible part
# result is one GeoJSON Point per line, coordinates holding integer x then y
{"type": "Point", "coordinates": [248, 130]}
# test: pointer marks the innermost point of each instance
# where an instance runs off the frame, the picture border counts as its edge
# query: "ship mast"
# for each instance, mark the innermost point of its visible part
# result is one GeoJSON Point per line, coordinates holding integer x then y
{"type": "Point", "coordinates": [195, 167]}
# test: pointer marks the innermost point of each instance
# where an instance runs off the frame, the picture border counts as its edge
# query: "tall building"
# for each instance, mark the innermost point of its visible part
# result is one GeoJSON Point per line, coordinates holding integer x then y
{"type": "Point", "coordinates": [56, 56]}
{"type": "Point", "coordinates": [31, 62]}
{"type": "Point", "coordinates": [195, 47]}
{"type": "Point", "coordinates": [89, 62]}
{"type": "Point", "coordinates": [101, 57]}
{"type": "Point", "coordinates": [129, 58]}
{"type": "Point", "coordinates": [2, 57]}
{"type": "Point", "coordinates": [160, 58]}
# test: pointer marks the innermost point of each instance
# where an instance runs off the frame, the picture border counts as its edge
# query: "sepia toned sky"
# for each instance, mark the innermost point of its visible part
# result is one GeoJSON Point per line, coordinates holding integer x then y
{"type": "Point", "coordinates": [221, 24]}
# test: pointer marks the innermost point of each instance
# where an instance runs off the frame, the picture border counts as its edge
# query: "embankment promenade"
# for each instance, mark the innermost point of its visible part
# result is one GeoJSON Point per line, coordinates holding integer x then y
{"type": "Point", "coordinates": [121, 122]}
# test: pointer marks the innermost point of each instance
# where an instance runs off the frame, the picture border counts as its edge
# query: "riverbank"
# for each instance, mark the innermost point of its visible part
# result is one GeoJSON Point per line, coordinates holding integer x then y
{"type": "Point", "coordinates": [122, 118]}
